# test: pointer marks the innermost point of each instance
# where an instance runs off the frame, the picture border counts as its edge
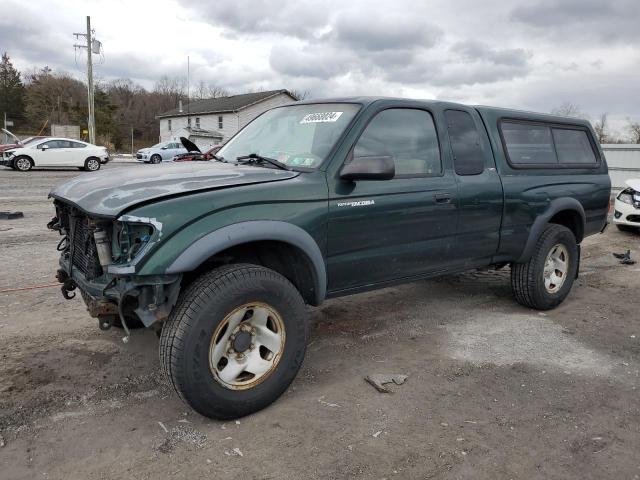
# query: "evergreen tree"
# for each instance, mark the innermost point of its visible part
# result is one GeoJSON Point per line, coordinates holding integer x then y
{"type": "Point", "coordinates": [11, 91]}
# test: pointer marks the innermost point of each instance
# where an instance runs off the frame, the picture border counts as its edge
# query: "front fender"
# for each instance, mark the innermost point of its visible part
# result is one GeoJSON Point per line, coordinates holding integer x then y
{"type": "Point", "coordinates": [251, 231]}
{"type": "Point", "coordinates": [539, 224]}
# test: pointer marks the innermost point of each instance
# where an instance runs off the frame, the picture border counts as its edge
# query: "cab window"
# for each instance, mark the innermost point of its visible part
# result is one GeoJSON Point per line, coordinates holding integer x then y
{"type": "Point", "coordinates": [528, 144]}
{"type": "Point", "coordinates": [468, 157]}
{"type": "Point", "coordinates": [573, 146]}
{"type": "Point", "coordinates": [539, 145]}
{"type": "Point", "coordinates": [406, 135]}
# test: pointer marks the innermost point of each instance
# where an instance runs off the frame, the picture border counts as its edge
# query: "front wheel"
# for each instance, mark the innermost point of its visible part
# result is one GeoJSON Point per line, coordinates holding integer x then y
{"type": "Point", "coordinates": [22, 164]}
{"type": "Point", "coordinates": [155, 159]}
{"type": "Point", "coordinates": [235, 340]}
{"type": "Point", "coordinates": [545, 280]}
{"type": "Point", "coordinates": [92, 164]}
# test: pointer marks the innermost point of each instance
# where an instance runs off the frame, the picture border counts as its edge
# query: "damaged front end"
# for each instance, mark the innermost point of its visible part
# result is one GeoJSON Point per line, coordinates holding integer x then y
{"type": "Point", "coordinates": [100, 256]}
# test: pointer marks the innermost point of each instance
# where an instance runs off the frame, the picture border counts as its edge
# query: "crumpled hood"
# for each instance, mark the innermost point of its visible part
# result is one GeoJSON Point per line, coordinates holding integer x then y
{"type": "Point", "coordinates": [8, 146]}
{"type": "Point", "coordinates": [107, 193]}
{"type": "Point", "coordinates": [634, 183]}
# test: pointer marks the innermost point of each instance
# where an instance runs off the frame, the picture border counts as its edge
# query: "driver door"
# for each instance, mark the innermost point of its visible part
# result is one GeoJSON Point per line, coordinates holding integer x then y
{"type": "Point", "coordinates": [50, 156]}
{"type": "Point", "coordinates": [175, 149]}
{"type": "Point", "coordinates": [386, 230]}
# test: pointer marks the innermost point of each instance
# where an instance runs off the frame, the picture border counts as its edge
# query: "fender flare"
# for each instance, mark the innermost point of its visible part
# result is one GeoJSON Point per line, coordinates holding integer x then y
{"type": "Point", "coordinates": [251, 231]}
{"type": "Point", "coordinates": [542, 220]}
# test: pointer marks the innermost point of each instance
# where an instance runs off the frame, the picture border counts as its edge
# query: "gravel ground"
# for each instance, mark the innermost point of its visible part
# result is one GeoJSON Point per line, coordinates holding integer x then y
{"type": "Point", "coordinates": [494, 390]}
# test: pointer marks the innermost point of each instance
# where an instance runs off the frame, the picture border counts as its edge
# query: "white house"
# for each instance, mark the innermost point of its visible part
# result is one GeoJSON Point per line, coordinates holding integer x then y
{"type": "Point", "coordinates": [213, 121]}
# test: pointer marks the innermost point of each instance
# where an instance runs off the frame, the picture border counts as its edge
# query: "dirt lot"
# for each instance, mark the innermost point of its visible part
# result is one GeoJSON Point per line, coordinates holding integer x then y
{"type": "Point", "coordinates": [494, 390]}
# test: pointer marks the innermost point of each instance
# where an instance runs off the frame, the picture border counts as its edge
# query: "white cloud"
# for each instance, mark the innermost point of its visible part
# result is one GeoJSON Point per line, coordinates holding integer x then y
{"type": "Point", "coordinates": [533, 54]}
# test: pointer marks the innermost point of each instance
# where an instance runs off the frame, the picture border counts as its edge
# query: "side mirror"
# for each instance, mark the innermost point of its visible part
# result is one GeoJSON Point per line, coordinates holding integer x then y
{"type": "Point", "coordinates": [369, 168]}
{"type": "Point", "coordinates": [44, 147]}
{"type": "Point", "coordinates": [164, 148]}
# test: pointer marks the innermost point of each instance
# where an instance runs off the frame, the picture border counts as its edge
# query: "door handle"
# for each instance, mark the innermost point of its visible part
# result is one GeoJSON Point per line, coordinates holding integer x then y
{"type": "Point", "coordinates": [442, 197]}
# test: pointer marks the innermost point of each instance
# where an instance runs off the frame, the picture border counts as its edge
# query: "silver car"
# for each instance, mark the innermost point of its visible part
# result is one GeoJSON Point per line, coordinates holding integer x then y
{"type": "Point", "coordinates": [161, 152]}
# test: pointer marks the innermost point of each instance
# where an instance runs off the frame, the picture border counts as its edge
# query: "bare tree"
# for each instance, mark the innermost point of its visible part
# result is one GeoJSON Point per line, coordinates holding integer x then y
{"type": "Point", "coordinates": [602, 129]}
{"type": "Point", "coordinates": [200, 91]}
{"type": "Point", "coordinates": [205, 90]}
{"type": "Point", "coordinates": [634, 130]}
{"type": "Point", "coordinates": [174, 88]}
{"type": "Point", "coordinates": [216, 91]}
{"type": "Point", "coordinates": [54, 97]}
{"type": "Point", "coordinates": [568, 109]}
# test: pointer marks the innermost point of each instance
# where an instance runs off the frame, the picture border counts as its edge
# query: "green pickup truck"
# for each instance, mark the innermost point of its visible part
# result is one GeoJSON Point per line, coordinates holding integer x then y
{"type": "Point", "coordinates": [316, 200]}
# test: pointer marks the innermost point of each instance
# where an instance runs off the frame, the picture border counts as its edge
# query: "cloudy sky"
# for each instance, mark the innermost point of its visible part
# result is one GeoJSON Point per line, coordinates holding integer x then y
{"type": "Point", "coordinates": [533, 54]}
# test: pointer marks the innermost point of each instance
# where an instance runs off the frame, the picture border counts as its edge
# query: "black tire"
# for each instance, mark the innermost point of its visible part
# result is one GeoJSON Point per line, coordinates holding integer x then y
{"type": "Point", "coordinates": [22, 163]}
{"type": "Point", "coordinates": [92, 164]}
{"type": "Point", "coordinates": [527, 278]}
{"type": "Point", "coordinates": [187, 336]}
{"type": "Point", "coordinates": [155, 159]}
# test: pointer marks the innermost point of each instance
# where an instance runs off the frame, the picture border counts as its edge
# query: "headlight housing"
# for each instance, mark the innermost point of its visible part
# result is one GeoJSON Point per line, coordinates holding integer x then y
{"type": "Point", "coordinates": [629, 196]}
{"type": "Point", "coordinates": [129, 239]}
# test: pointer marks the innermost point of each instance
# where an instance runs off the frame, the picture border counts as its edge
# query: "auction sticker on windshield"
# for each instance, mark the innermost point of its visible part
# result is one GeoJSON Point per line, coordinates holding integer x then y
{"type": "Point", "coordinates": [321, 117]}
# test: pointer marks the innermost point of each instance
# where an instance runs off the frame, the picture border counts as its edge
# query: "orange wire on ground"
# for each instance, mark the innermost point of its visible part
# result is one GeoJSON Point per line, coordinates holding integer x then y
{"type": "Point", "coordinates": [8, 290]}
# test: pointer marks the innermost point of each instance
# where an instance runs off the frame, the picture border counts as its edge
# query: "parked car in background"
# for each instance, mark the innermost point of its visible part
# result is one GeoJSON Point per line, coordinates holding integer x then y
{"type": "Point", "coordinates": [56, 152]}
{"type": "Point", "coordinates": [194, 153]}
{"type": "Point", "coordinates": [16, 141]}
{"type": "Point", "coordinates": [161, 152]}
{"type": "Point", "coordinates": [626, 215]}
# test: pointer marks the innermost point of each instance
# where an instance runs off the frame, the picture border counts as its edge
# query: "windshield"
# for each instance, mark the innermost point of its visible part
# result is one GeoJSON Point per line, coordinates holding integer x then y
{"type": "Point", "coordinates": [296, 135]}
{"type": "Point", "coordinates": [30, 140]}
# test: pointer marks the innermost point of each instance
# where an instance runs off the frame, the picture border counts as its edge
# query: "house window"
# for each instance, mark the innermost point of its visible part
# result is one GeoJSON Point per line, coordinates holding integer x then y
{"type": "Point", "coordinates": [197, 122]}
{"type": "Point", "coordinates": [169, 124]}
{"type": "Point", "coordinates": [189, 122]}
{"type": "Point", "coordinates": [220, 122]}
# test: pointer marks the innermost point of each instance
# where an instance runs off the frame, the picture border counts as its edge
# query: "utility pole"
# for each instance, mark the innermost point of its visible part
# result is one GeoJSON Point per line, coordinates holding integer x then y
{"type": "Point", "coordinates": [91, 123]}
{"type": "Point", "coordinates": [188, 93]}
{"type": "Point", "coordinates": [91, 43]}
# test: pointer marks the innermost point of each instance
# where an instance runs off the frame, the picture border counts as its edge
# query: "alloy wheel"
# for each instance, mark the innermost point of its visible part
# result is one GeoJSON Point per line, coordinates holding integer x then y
{"type": "Point", "coordinates": [23, 164]}
{"type": "Point", "coordinates": [93, 165]}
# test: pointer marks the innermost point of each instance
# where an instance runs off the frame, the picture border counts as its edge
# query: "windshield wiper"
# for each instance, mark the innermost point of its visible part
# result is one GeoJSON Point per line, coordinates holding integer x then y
{"type": "Point", "coordinates": [219, 158]}
{"type": "Point", "coordinates": [255, 158]}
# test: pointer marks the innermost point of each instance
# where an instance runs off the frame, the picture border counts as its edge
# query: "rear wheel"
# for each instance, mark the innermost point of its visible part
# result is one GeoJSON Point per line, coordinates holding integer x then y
{"type": "Point", "coordinates": [92, 164]}
{"type": "Point", "coordinates": [235, 340]}
{"type": "Point", "coordinates": [155, 159]}
{"type": "Point", "coordinates": [545, 280]}
{"type": "Point", "coordinates": [23, 164]}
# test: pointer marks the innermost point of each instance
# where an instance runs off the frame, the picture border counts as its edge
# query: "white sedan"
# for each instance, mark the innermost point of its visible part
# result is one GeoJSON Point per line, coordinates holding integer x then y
{"type": "Point", "coordinates": [627, 206]}
{"type": "Point", "coordinates": [56, 152]}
